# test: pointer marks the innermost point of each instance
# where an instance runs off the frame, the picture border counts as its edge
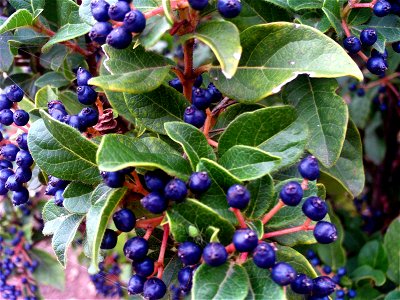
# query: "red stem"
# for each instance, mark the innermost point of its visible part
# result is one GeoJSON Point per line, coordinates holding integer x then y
{"type": "Point", "coordinates": [149, 232]}
{"type": "Point", "coordinates": [149, 223]}
{"type": "Point", "coordinates": [239, 217]}
{"type": "Point", "coordinates": [230, 248]}
{"type": "Point", "coordinates": [160, 260]}
{"type": "Point", "coordinates": [212, 143]}
{"type": "Point", "coordinates": [273, 212]}
{"type": "Point", "coordinates": [243, 257]}
{"type": "Point", "coordinates": [304, 227]}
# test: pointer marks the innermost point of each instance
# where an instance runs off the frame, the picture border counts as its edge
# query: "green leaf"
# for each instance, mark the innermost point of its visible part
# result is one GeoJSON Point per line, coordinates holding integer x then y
{"type": "Point", "coordinates": [391, 244]}
{"type": "Point", "coordinates": [393, 295]}
{"type": "Point", "coordinates": [248, 163]}
{"type": "Point", "coordinates": [53, 216]}
{"type": "Point", "coordinates": [6, 58]}
{"type": "Point", "coordinates": [258, 227]}
{"type": "Point", "coordinates": [117, 152]}
{"type": "Point", "coordinates": [296, 260]}
{"type": "Point", "coordinates": [60, 150]}
{"type": "Point", "coordinates": [331, 8]}
{"type": "Point", "coordinates": [156, 27]}
{"type": "Point", "coordinates": [52, 79]}
{"type": "Point", "coordinates": [194, 213]}
{"type": "Point", "coordinates": [62, 12]}
{"type": "Point", "coordinates": [359, 16]}
{"type": "Point", "coordinates": [228, 281]}
{"type": "Point", "coordinates": [374, 255]}
{"type": "Point", "coordinates": [389, 27]}
{"type": "Point", "coordinates": [348, 170]}
{"type": "Point", "coordinates": [49, 271]}
{"type": "Point", "coordinates": [366, 272]}
{"type": "Point", "coordinates": [132, 70]}
{"type": "Point", "coordinates": [223, 39]}
{"type": "Point", "coordinates": [104, 201]}
{"type": "Point", "coordinates": [304, 4]}
{"type": "Point", "coordinates": [324, 112]}
{"type": "Point", "coordinates": [273, 55]}
{"type": "Point", "coordinates": [117, 101]}
{"type": "Point", "coordinates": [280, 3]}
{"type": "Point", "coordinates": [70, 101]}
{"type": "Point", "coordinates": [43, 96]}
{"type": "Point", "coordinates": [192, 140]}
{"type": "Point", "coordinates": [65, 33]}
{"type": "Point", "coordinates": [374, 144]}
{"type": "Point", "coordinates": [262, 197]}
{"type": "Point", "coordinates": [77, 197]}
{"type": "Point", "coordinates": [20, 18]}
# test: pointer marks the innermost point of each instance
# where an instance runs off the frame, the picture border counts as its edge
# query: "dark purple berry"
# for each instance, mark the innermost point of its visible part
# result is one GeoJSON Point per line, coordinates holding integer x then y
{"type": "Point", "coordinates": [5, 173]}
{"type": "Point", "coordinates": [113, 179]}
{"type": "Point", "coordinates": [58, 114]}
{"type": "Point", "coordinates": [396, 47]}
{"type": "Point", "coordinates": [325, 232]}
{"type": "Point", "coordinates": [3, 189]}
{"type": "Point", "coordinates": [4, 164]}
{"type": "Point", "coordinates": [245, 240]}
{"type": "Point", "coordinates": [135, 21]}
{"type": "Point", "coordinates": [309, 168]}
{"type": "Point", "coordinates": [118, 10]}
{"type": "Point", "coordinates": [12, 184]}
{"type": "Point", "coordinates": [99, 10]}
{"type": "Point", "coordinates": [323, 286]}
{"type": "Point", "coordinates": [327, 269]}
{"type": "Point", "coordinates": [75, 122]}
{"type": "Point", "coordinates": [82, 76]}
{"type": "Point", "coordinates": [229, 8]}
{"type": "Point", "coordinates": [176, 84]}
{"type": "Point", "coordinates": [100, 31]}
{"type": "Point", "coordinates": [360, 92]}
{"type": "Point", "coordinates": [175, 190]}
{"type": "Point", "coordinates": [23, 175]}
{"type": "Point", "coordinates": [351, 294]}
{"type": "Point", "coordinates": [124, 220]}
{"type": "Point", "coordinates": [216, 95]}
{"type": "Point", "coordinates": [283, 274]}
{"type": "Point", "coordinates": [88, 117]}
{"type": "Point", "coordinates": [341, 271]}
{"type": "Point", "coordinates": [21, 117]}
{"type": "Point", "coordinates": [198, 82]}
{"type": "Point", "coordinates": [24, 159]}
{"type": "Point", "coordinates": [368, 36]}
{"type": "Point", "coordinates": [215, 254]}
{"type": "Point", "coordinates": [110, 239]}
{"type": "Point", "coordinates": [291, 193]}
{"type": "Point", "coordinates": [199, 182]}
{"type": "Point", "coordinates": [144, 267]}
{"type": "Point", "coordinates": [376, 65]}
{"type": "Point", "coordinates": [156, 180]}
{"type": "Point", "coordinates": [189, 253]}
{"type": "Point", "coordinates": [264, 256]}
{"type": "Point", "coordinates": [238, 196]}
{"type": "Point", "coordinates": [135, 285]}
{"type": "Point", "coordinates": [4, 102]}
{"type": "Point", "coordinates": [86, 95]}
{"type": "Point", "coordinates": [20, 197]}
{"type": "Point", "coordinates": [194, 116]}
{"type": "Point", "coordinates": [14, 93]}
{"type": "Point", "coordinates": [302, 284]}
{"type": "Point", "coordinates": [154, 203]}
{"type": "Point", "coordinates": [154, 288]}
{"type": "Point", "coordinates": [352, 44]}
{"type": "Point", "coordinates": [136, 248]}
{"type": "Point", "coordinates": [382, 8]}
{"type": "Point", "coordinates": [201, 98]}
{"type": "Point", "coordinates": [59, 198]}
{"type": "Point", "coordinates": [198, 4]}
{"type": "Point", "coordinates": [185, 278]}
{"type": "Point", "coordinates": [315, 208]}
{"type": "Point", "coordinates": [9, 152]}
{"type": "Point", "coordinates": [6, 117]}
{"type": "Point", "coordinates": [119, 38]}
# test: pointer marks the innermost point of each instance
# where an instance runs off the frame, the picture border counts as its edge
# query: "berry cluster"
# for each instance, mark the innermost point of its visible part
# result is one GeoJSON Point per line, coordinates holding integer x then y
{"type": "Point", "coordinates": [55, 187]}
{"type": "Point", "coordinates": [227, 8]}
{"type": "Point", "coordinates": [119, 37]}
{"type": "Point", "coordinates": [106, 281]}
{"type": "Point", "coordinates": [8, 100]}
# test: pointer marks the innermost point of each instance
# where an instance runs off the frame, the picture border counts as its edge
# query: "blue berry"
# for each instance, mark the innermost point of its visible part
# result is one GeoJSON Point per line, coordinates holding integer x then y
{"type": "Point", "coordinates": [340, 294]}
{"type": "Point", "coordinates": [238, 196]}
{"type": "Point", "coordinates": [154, 203]}
{"type": "Point", "coordinates": [245, 240]}
{"type": "Point", "coordinates": [198, 4]}
{"type": "Point", "coordinates": [215, 254]}
{"type": "Point", "coordinates": [110, 239]}
{"type": "Point", "coordinates": [100, 31]}
{"type": "Point", "coordinates": [264, 256]}
{"type": "Point", "coordinates": [82, 76]}
{"type": "Point", "coordinates": [14, 93]}
{"type": "Point", "coordinates": [4, 174]}
{"type": "Point", "coordinates": [323, 286]}
{"type": "Point", "coordinates": [315, 208]}
{"type": "Point", "coordinates": [341, 271]}
{"type": "Point", "coordinates": [20, 197]}
{"type": "Point", "coordinates": [75, 122]}
{"type": "Point", "coordinates": [154, 288]}
{"type": "Point", "coordinates": [353, 87]}
{"type": "Point", "coordinates": [175, 190]}
{"type": "Point", "coordinates": [351, 294]}
{"type": "Point", "coordinates": [368, 36]}
{"type": "Point", "coordinates": [199, 182]}
{"type": "Point", "coordinates": [360, 92]}
{"type": "Point", "coordinates": [325, 232]}
{"type": "Point", "coordinates": [57, 182]}
{"type": "Point", "coordinates": [24, 159]}
{"type": "Point", "coordinates": [229, 8]}
{"type": "Point", "coordinates": [189, 253]}
{"type": "Point", "coordinates": [327, 269]}
{"type": "Point", "coordinates": [136, 248]}
{"type": "Point", "coordinates": [396, 47]}
{"type": "Point", "coordinates": [113, 179]}
{"type": "Point", "coordinates": [55, 104]}
{"type": "Point", "coordinates": [376, 65]}
{"type": "Point", "coordinates": [176, 84]}
{"type": "Point", "coordinates": [311, 254]}
{"type": "Point", "coordinates": [376, 53]}
{"type": "Point", "coordinates": [156, 180]}
{"type": "Point", "coordinates": [309, 168]}
{"type": "Point", "coordinates": [4, 164]}
{"type": "Point", "coordinates": [12, 184]}
{"type": "Point", "coordinates": [119, 38]}
{"type": "Point", "coordinates": [135, 21]}
{"type": "Point", "coordinates": [302, 284]}
{"type": "Point", "coordinates": [88, 117]}
{"type": "Point", "coordinates": [58, 114]}
{"type": "Point", "coordinates": [352, 44]}
{"type": "Point", "coordinates": [291, 193]}
{"type": "Point", "coordinates": [99, 10]}
{"type": "Point", "coordinates": [135, 285]}
{"type": "Point", "coordinates": [6, 117]}
{"type": "Point", "coordinates": [124, 220]}
{"type": "Point", "coordinates": [216, 95]}
{"type": "Point", "coordinates": [59, 198]}
{"type": "Point", "coordinates": [382, 8]}
{"type": "Point", "coordinates": [21, 117]}
{"type": "Point", "coordinates": [4, 102]}
{"type": "Point", "coordinates": [118, 10]}
{"type": "Point", "coordinates": [198, 82]}
{"type": "Point", "coordinates": [194, 116]}
{"type": "Point", "coordinates": [283, 274]}
{"type": "Point", "coordinates": [144, 267]}
{"type": "Point", "coordinates": [201, 98]}
{"type": "Point", "coordinates": [185, 278]}
{"type": "Point", "coordinates": [86, 95]}
{"type": "Point", "coordinates": [23, 175]}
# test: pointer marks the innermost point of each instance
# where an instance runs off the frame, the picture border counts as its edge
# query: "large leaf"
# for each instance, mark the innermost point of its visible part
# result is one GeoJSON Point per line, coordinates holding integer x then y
{"type": "Point", "coordinates": [274, 54]}
{"type": "Point", "coordinates": [20, 18]}
{"type": "Point", "coordinates": [331, 9]}
{"type": "Point", "coordinates": [6, 58]}
{"type": "Point", "coordinates": [228, 281]}
{"type": "Point", "coordinates": [65, 33]}
{"type": "Point", "coordinates": [324, 112]}
{"type": "Point", "coordinates": [77, 197]}
{"type": "Point", "coordinates": [62, 12]}
{"type": "Point", "coordinates": [391, 244]}
{"type": "Point", "coordinates": [52, 79]}
{"type": "Point", "coordinates": [43, 96]}
{"type": "Point", "coordinates": [118, 103]}
{"type": "Point", "coordinates": [262, 197]}
{"type": "Point", "coordinates": [50, 272]}
{"type": "Point", "coordinates": [374, 255]}
{"type": "Point", "coordinates": [367, 272]}
{"type": "Point", "coordinates": [304, 4]}
{"type": "Point", "coordinates": [156, 27]}
{"type": "Point", "coordinates": [53, 216]}
{"type": "Point", "coordinates": [60, 150]}
{"type": "Point", "coordinates": [296, 260]}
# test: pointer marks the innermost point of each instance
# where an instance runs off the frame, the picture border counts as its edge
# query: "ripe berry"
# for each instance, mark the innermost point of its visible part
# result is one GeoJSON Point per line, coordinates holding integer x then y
{"type": "Point", "coordinates": [351, 294]}
{"type": "Point", "coordinates": [323, 286]}
{"type": "Point", "coordinates": [291, 193]}
{"type": "Point", "coordinates": [194, 116]}
{"type": "Point", "coordinates": [360, 92]}
{"type": "Point", "coordinates": [175, 190]}
{"type": "Point", "coordinates": [201, 98]}
{"type": "Point", "coordinates": [309, 168]}
{"type": "Point", "coordinates": [50, 190]}
{"type": "Point", "coordinates": [215, 254]}
{"type": "Point", "coordinates": [144, 267]}
{"type": "Point", "coordinates": [185, 278]}
{"type": "Point", "coordinates": [75, 122]}
{"type": "Point", "coordinates": [3, 189]}
{"type": "Point", "coordinates": [352, 44]}
{"type": "Point", "coordinates": [154, 288]}
{"type": "Point", "coordinates": [189, 253]}
{"type": "Point", "coordinates": [327, 269]}
{"type": "Point", "coordinates": [315, 208]}
{"type": "Point", "coordinates": [4, 164]}
{"type": "Point", "coordinates": [99, 10]}
{"type": "Point", "coordinates": [341, 271]}
{"type": "Point", "coordinates": [325, 232]}
{"type": "Point", "coordinates": [4, 102]}
{"type": "Point", "coordinates": [176, 84]}
{"type": "Point", "coordinates": [86, 95]}
{"type": "Point", "coordinates": [100, 31]}
{"type": "Point", "coordinates": [59, 198]}
{"type": "Point", "coordinates": [238, 196]}
{"type": "Point", "coordinates": [20, 117]}
{"type": "Point", "coordinates": [5, 173]}
{"type": "Point", "coordinates": [113, 179]}
{"type": "Point", "coordinates": [283, 274]}
{"type": "Point", "coordinates": [340, 294]}
{"type": "Point", "coordinates": [82, 76]}
{"type": "Point", "coordinates": [119, 38]}
{"type": "Point", "coordinates": [12, 184]}
{"type": "Point", "coordinates": [135, 21]}
{"type": "Point", "coordinates": [368, 36]}
{"type": "Point", "coordinates": [376, 65]}
{"type": "Point", "coordinates": [88, 117]}
{"type": "Point", "coordinates": [154, 203]}
{"type": "Point", "coordinates": [264, 256]}
{"type": "Point", "coordinates": [135, 285]}
{"type": "Point", "coordinates": [198, 82]}
{"type": "Point", "coordinates": [302, 284]}
{"type": "Point", "coordinates": [118, 10]}
{"type": "Point", "coordinates": [58, 114]}
{"type": "Point", "coordinates": [229, 8]}
{"type": "Point", "coordinates": [198, 4]}
{"type": "Point", "coordinates": [14, 93]}
{"type": "Point", "coordinates": [156, 180]}
{"type": "Point", "coordinates": [199, 182]}
{"type": "Point", "coordinates": [20, 197]}
{"type": "Point", "coordinates": [23, 175]}
{"type": "Point", "coordinates": [396, 47]}
{"type": "Point", "coordinates": [24, 159]}
{"type": "Point", "coordinates": [124, 220]}
{"type": "Point", "coordinates": [6, 117]}
{"type": "Point", "coordinates": [57, 182]}
{"type": "Point", "coordinates": [216, 95]}
{"type": "Point", "coordinates": [9, 151]}
{"type": "Point", "coordinates": [110, 239]}
{"type": "Point", "coordinates": [382, 8]}
{"type": "Point", "coordinates": [245, 240]}
{"type": "Point", "coordinates": [136, 248]}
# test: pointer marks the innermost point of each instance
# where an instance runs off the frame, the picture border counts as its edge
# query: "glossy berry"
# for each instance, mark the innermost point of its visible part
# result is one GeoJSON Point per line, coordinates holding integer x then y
{"type": "Point", "coordinates": [351, 294]}
{"type": "Point", "coordinates": [99, 10]}
{"type": "Point", "coordinates": [194, 116]}
{"type": "Point", "coordinates": [215, 254]}
{"type": "Point", "coordinates": [302, 284]}
{"type": "Point", "coordinates": [82, 76]}
{"type": "Point", "coordinates": [14, 93]}
{"type": "Point", "coordinates": [118, 10]}
{"type": "Point", "coordinates": [9, 151]}
{"type": "Point", "coordinates": [20, 197]}
{"type": "Point", "coordinates": [245, 240]}
{"type": "Point", "coordinates": [100, 31]}
{"type": "Point", "coordinates": [3, 189]}
{"type": "Point", "coordinates": [12, 184]}
{"type": "Point", "coordinates": [325, 232]}
{"type": "Point", "coordinates": [135, 285]}
{"type": "Point", "coordinates": [315, 208]}
{"type": "Point", "coordinates": [229, 8]}
{"type": "Point", "coordinates": [264, 256]}
{"type": "Point", "coordinates": [154, 288]}
{"type": "Point", "coordinates": [4, 102]}
{"type": "Point", "coordinates": [352, 44]}
{"type": "Point", "coordinates": [198, 4]}
{"type": "Point", "coordinates": [323, 286]}
{"type": "Point", "coordinates": [175, 190]}
{"type": "Point", "coordinates": [360, 92]}
{"type": "Point", "coordinates": [156, 180]}
{"type": "Point", "coordinates": [341, 271]}
{"type": "Point", "coordinates": [75, 122]}
{"type": "Point", "coordinates": [135, 21]}
{"type": "Point", "coordinates": [58, 114]}
{"type": "Point", "coordinates": [283, 274]}
{"type": "Point", "coordinates": [6, 117]}
{"type": "Point", "coordinates": [176, 84]}
{"type": "Point", "coordinates": [291, 193]}
{"type": "Point", "coordinates": [119, 38]}
{"type": "Point", "coordinates": [154, 203]}
{"type": "Point", "coordinates": [185, 278]}
{"type": "Point", "coordinates": [368, 36]}
{"type": "Point", "coordinates": [340, 294]}
{"type": "Point", "coordinates": [55, 104]}
{"type": "Point", "coordinates": [382, 8]}
{"type": "Point", "coordinates": [201, 98]}
{"type": "Point", "coordinates": [86, 94]}
{"type": "Point", "coordinates": [396, 47]}
{"type": "Point", "coordinates": [4, 164]}
{"type": "Point", "coordinates": [110, 239]}
{"type": "Point", "coordinates": [24, 159]}
{"type": "Point", "coordinates": [327, 269]}
{"type": "Point", "coordinates": [88, 117]}
{"type": "Point", "coordinates": [5, 173]}
{"type": "Point", "coordinates": [199, 182]}
{"type": "Point", "coordinates": [144, 267]}
{"type": "Point", "coordinates": [59, 198]}
{"type": "Point", "coordinates": [50, 190]}
{"type": "Point", "coordinates": [136, 248]}
{"type": "Point", "coordinates": [309, 168]}
{"type": "Point", "coordinates": [376, 65]}
{"type": "Point", "coordinates": [20, 117]}
{"type": "Point", "coordinates": [238, 196]}
{"type": "Point", "coordinates": [189, 253]}
{"type": "Point", "coordinates": [124, 220]}
{"type": "Point", "coordinates": [113, 179]}
{"type": "Point", "coordinates": [376, 53]}
{"type": "Point", "coordinates": [23, 175]}
{"type": "Point", "coordinates": [216, 95]}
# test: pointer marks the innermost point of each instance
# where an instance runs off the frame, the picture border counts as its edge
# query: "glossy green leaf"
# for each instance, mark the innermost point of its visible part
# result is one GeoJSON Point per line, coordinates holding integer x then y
{"type": "Point", "coordinates": [118, 103]}
{"type": "Point", "coordinates": [156, 27]}
{"type": "Point", "coordinates": [6, 58]}
{"type": "Point", "coordinates": [262, 197]}
{"type": "Point", "coordinates": [53, 216]}
{"type": "Point", "coordinates": [271, 58]}
{"type": "Point", "coordinates": [62, 12]}
{"type": "Point", "coordinates": [393, 295]}
{"type": "Point", "coordinates": [30, 5]}
{"type": "Point", "coordinates": [50, 272]}
{"type": "Point", "coordinates": [77, 197]}
{"type": "Point", "coordinates": [374, 255]}
{"type": "Point", "coordinates": [391, 244]}
{"type": "Point", "coordinates": [52, 79]}
{"type": "Point", "coordinates": [65, 33]}
{"type": "Point", "coordinates": [70, 101]}
{"type": "Point", "coordinates": [43, 96]}
{"type": "Point", "coordinates": [331, 9]}
{"type": "Point", "coordinates": [296, 260]}
{"type": "Point", "coordinates": [20, 18]}
{"type": "Point", "coordinates": [367, 272]}
{"type": "Point", "coordinates": [304, 4]}
{"type": "Point", "coordinates": [389, 27]}
{"type": "Point", "coordinates": [280, 3]}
